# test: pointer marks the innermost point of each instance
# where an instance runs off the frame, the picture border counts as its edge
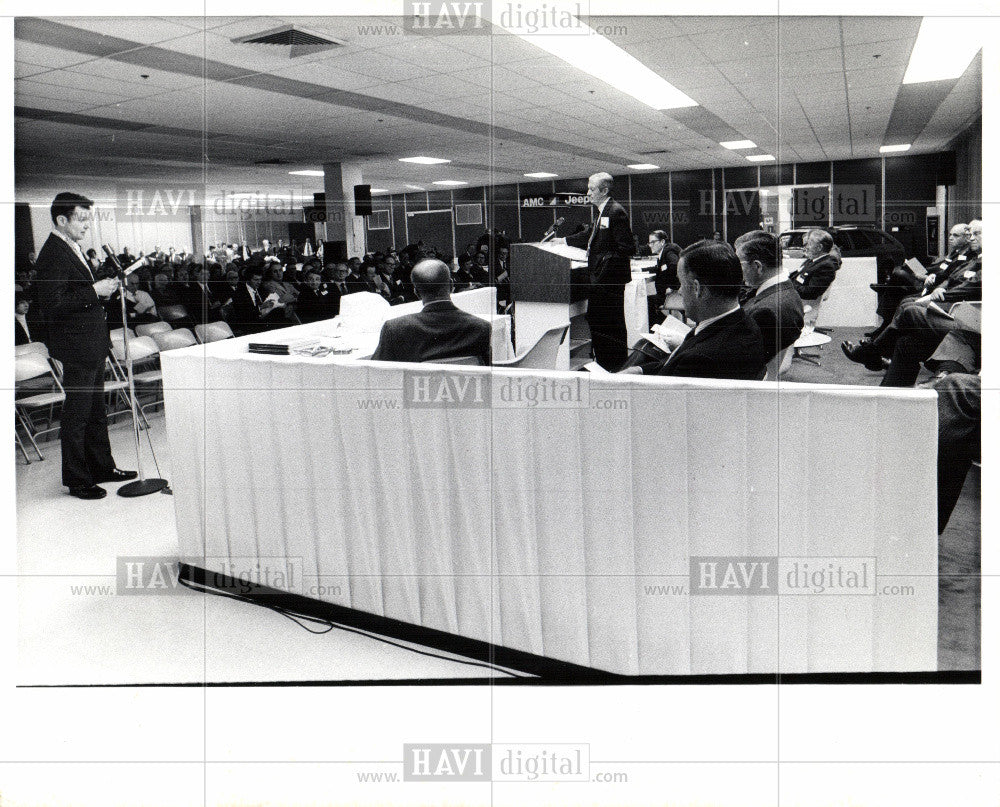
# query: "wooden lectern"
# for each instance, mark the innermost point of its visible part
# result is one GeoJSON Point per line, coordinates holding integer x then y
{"type": "Point", "coordinates": [542, 285]}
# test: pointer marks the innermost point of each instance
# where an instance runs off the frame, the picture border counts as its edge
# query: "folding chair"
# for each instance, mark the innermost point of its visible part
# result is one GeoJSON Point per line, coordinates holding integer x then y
{"type": "Point", "coordinates": [28, 367]}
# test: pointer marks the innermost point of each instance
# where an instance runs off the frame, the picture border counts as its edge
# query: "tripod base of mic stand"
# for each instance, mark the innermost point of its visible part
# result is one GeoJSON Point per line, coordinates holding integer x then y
{"type": "Point", "coordinates": [142, 487]}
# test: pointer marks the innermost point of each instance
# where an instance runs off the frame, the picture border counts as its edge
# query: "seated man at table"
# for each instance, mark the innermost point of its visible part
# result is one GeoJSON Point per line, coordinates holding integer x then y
{"type": "Point", "coordinates": [726, 343]}
{"type": "Point", "coordinates": [774, 304]}
{"type": "Point", "coordinates": [440, 330]}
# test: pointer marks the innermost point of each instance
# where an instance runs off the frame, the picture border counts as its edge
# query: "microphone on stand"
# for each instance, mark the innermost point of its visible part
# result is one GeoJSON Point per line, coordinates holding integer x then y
{"type": "Point", "coordinates": [141, 486]}
{"type": "Point", "coordinates": [552, 230]}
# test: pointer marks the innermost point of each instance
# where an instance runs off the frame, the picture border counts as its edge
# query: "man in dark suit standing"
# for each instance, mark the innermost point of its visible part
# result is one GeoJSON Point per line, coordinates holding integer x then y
{"type": "Point", "coordinates": [77, 334]}
{"type": "Point", "coordinates": [665, 274]}
{"type": "Point", "coordinates": [440, 330]}
{"type": "Point", "coordinates": [813, 278]}
{"type": "Point", "coordinates": [726, 343]}
{"type": "Point", "coordinates": [609, 247]}
{"type": "Point", "coordinates": [774, 305]}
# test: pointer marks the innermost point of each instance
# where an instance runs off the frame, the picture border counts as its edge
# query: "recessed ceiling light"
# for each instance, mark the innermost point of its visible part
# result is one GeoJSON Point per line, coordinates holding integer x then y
{"type": "Point", "coordinates": [424, 160]}
{"type": "Point", "coordinates": [415, 187]}
{"type": "Point", "coordinates": [450, 182]}
{"type": "Point", "coordinates": [307, 173]}
{"type": "Point", "coordinates": [943, 50]}
{"type": "Point", "coordinates": [541, 175]}
{"type": "Point", "coordinates": [897, 147]}
{"type": "Point", "coordinates": [735, 145]}
{"type": "Point", "coordinates": [760, 158]}
{"type": "Point", "coordinates": [643, 166]}
{"type": "Point", "coordinates": [601, 58]}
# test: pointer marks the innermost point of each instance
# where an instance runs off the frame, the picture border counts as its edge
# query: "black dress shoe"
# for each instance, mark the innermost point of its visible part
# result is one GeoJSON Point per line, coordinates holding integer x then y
{"type": "Point", "coordinates": [117, 475]}
{"type": "Point", "coordinates": [93, 492]}
{"type": "Point", "coordinates": [863, 353]}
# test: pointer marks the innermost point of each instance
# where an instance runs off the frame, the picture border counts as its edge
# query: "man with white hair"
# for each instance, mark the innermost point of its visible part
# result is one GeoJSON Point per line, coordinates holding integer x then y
{"type": "Point", "coordinates": [609, 246]}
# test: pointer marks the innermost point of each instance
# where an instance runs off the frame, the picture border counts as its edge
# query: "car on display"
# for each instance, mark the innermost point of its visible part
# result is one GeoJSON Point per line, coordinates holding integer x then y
{"type": "Point", "coordinates": [853, 242]}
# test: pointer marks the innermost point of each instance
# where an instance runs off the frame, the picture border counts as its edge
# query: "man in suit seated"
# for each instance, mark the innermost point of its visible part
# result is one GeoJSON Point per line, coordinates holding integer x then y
{"type": "Point", "coordinates": [774, 304]}
{"type": "Point", "coordinates": [22, 328]}
{"type": "Point", "coordinates": [920, 324]}
{"type": "Point", "coordinates": [316, 302]}
{"type": "Point", "coordinates": [726, 343]}
{"type": "Point", "coordinates": [902, 283]}
{"type": "Point", "coordinates": [440, 330]}
{"type": "Point", "coordinates": [251, 313]}
{"type": "Point", "coordinates": [959, 441]}
{"type": "Point", "coordinates": [813, 278]}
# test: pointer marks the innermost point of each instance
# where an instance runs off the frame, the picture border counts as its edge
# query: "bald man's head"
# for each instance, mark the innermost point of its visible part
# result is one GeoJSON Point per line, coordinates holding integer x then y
{"type": "Point", "coordinates": [431, 280]}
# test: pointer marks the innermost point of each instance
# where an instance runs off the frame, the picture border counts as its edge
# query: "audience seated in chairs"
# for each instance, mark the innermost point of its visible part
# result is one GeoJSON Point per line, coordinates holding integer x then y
{"type": "Point", "coordinates": [903, 283]}
{"type": "Point", "coordinates": [772, 301]}
{"type": "Point", "coordinates": [814, 276]}
{"type": "Point", "coordinates": [921, 323]}
{"type": "Point", "coordinates": [726, 343]}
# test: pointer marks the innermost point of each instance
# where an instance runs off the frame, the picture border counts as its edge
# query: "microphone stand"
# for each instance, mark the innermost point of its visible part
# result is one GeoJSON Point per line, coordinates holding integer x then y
{"type": "Point", "coordinates": [141, 486]}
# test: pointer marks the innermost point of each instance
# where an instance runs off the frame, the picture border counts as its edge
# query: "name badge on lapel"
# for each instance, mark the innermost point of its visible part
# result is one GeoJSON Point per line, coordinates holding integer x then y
{"type": "Point", "coordinates": [605, 222]}
{"type": "Point", "coordinates": [968, 274]}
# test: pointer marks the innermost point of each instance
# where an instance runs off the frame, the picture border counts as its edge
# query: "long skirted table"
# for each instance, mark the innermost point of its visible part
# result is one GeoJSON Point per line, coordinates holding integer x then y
{"type": "Point", "coordinates": [569, 523]}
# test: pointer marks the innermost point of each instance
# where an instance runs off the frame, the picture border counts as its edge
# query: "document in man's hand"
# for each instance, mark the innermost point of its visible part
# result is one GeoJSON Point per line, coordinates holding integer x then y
{"type": "Point", "coordinates": [939, 309]}
{"type": "Point", "coordinates": [916, 267]}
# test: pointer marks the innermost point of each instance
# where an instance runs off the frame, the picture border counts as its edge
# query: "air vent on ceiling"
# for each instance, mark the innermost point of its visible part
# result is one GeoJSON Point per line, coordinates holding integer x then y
{"type": "Point", "coordinates": [298, 41]}
{"type": "Point", "coordinates": [660, 151]}
{"type": "Point", "coordinates": [272, 161]}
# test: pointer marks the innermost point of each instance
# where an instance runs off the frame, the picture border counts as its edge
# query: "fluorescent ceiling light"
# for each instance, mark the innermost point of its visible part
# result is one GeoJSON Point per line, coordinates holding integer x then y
{"type": "Point", "coordinates": [760, 158]}
{"type": "Point", "coordinates": [643, 166]}
{"type": "Point", "coordinates": [541, 175]}
{"type": "Point", "coordinates": [891, 149]}
{"type": "Point", "coordinates": [450, 182]}
{"type": "Point", "coordinates": [581, 46]}
{"type": "Point", "coordinates": [423, 160]}
{"type": "Point", "coordinates": [307, 173]}
{"type": "Point", "coordinates": [735, 145]}
{"type": "Point", "coordinates": [943, 50]}
{"type": "Point", "coordinates": [415, 187]}
{"type": "Point", "coordinates": [379, 190]}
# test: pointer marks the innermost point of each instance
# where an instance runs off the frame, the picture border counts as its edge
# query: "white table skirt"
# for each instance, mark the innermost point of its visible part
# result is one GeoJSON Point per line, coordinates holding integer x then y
{"type": "Point", "coordinates": [547, 528]}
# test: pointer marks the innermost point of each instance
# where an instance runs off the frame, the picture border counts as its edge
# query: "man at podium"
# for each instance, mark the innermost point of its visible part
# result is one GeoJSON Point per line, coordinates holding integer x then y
{"type": "Point", "coordinates": [609, 247]}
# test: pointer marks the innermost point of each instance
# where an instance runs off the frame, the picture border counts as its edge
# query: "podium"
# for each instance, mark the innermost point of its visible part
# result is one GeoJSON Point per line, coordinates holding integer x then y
{"type": "Point", "coordinates": [541, 284]}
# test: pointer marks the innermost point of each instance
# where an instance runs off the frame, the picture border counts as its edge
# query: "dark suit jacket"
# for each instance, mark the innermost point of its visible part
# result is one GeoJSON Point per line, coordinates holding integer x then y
{"type": "Point", "coordinates": [76, 328]}
{"type": "Point", "coordinates": [946, 267]}
{"type": "Point", "coordinates": [246, 317]}
{"type": "Point", "coordinates": [815, 275]}
{"type": "Point", "coordinates": [20, 335]}
{"type": "Point", "coordinates": [608, 264]}
{"type": "Point", "coordinates": [439, 331]}
{"type": "Point", "coordinates": [778, 313]}
{"type": "Point", "coordinates": [201, 305]}
{"type": "Point", "coordinates": [965, 282]}
{"type": "Point", "coordinates": [666, 270]}
{"type": "Point", "coordinates": [313, 306]}
{"type": "Point", "coordinates": [728, 348]}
